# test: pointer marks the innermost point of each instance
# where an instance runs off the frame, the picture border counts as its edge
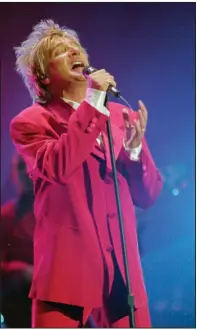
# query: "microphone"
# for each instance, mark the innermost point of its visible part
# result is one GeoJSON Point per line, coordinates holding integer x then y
{"type": "Point", "coordinates": [113, 90]}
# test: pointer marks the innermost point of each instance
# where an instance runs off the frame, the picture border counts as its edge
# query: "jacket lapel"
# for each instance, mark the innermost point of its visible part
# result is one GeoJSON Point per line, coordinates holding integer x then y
{"type": "Point", "coordinates": [61, 111]}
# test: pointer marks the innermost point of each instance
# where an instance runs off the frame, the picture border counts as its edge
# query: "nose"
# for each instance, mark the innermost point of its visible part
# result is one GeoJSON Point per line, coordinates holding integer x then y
{"type": "Point", "coordinates": [73, 51]}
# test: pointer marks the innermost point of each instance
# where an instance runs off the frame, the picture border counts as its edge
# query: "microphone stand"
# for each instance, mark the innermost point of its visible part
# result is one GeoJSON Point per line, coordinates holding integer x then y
{"type": "Point", "coordinates": [120, 218]}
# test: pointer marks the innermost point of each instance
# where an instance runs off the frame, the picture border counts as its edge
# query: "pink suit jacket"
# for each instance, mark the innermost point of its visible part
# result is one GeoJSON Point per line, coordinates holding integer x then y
{"type": "Point", "coordinates": [74, 199]}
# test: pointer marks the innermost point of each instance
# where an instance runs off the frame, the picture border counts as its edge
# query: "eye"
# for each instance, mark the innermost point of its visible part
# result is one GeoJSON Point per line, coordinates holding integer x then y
{"type": "Point", "coordinates": [60, 50]}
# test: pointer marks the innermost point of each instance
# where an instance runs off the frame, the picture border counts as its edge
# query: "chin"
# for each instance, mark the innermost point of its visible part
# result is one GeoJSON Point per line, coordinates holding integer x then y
{"type": "Point", "coordinates": [80, 78]}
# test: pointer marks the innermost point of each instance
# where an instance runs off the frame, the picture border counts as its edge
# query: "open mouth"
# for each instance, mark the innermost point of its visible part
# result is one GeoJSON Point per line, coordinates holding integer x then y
{"type": "Point", "coordinates": [78, 66]}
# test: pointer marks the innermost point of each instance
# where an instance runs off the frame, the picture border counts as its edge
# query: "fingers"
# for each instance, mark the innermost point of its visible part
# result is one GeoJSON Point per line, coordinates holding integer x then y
{"type": "Point", "coordinates": [135, 132]}
{"type": "Point", "coordinates": [140, 124]}
{"type": "Point", "coordinates": [139, 132]}
{"type": "Point", "coordinates": [130, 130]}
{"type": "Point", "coordinates": [142, 121]}
{"type": "Point", "coordinates": [104, 77]}
{"type": "Point", "coordinates": [127, 124]}
{"type": "Point", "coordinates": [143, 110]}
{"type": "Point", "coordinates": [101, 80]}
{"type": "Point", "coordinates": [143, 116]}
{"type": "Point", "coordinates": [126, 117]}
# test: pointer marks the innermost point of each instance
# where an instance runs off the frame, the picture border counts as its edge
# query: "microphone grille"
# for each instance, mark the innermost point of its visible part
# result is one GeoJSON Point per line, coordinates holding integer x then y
{"type": "Point", "coordinates": [88, 70]}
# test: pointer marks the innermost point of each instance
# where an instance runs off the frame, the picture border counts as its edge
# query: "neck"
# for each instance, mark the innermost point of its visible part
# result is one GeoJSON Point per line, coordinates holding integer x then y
{"type": "Point", "coordinates": [74, 92]}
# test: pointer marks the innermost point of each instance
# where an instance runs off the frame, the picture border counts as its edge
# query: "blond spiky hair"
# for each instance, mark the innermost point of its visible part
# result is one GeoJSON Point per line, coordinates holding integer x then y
{"type": "Point", "coordinates": [33, 53]}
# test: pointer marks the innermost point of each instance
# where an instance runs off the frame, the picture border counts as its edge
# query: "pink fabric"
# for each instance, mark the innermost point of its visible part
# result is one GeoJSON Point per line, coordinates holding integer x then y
{"type": "Point", "coordinates": [75, 205]}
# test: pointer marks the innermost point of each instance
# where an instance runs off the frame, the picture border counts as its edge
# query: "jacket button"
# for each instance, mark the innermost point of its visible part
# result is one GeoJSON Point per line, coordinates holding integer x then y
{"type": "Point", "coordinates": [94, 120]}
{"type": "Point", "coordinates": [89, 130]}
{"type": "Point", "coordinates": [111, 215]}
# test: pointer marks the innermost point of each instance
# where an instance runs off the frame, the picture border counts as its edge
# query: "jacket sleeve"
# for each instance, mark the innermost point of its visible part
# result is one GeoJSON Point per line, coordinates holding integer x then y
{"type": "Point", "coordinates": [55, 159]}
{"type": "Point", "coordinates": [144, 180]}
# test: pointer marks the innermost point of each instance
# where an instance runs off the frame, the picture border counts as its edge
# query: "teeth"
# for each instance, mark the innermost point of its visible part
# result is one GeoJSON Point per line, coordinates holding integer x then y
{"type": "Point", "coordinates": [77, 63]}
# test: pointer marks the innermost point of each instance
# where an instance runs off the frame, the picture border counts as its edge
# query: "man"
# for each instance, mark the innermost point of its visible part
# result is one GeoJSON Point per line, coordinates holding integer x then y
{"type": "Point", "coordinates": [16, 242]}
{"type": "Point", "coordinates": [78, 263]}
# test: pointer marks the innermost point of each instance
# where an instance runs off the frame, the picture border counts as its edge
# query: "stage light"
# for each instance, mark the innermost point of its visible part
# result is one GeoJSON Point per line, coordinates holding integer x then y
{"type": "Point", "coordinates": [2, 322]}
{"type": "Point", "coordinates": [175, 192]}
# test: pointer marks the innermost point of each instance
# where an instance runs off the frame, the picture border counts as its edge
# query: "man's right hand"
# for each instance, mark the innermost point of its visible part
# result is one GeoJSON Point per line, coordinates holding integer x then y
{"type": "Point", "coordinates": [100, 80]}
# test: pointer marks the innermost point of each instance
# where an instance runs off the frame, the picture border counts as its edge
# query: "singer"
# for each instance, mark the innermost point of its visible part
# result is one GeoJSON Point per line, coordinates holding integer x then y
{"type": "Point", "coordinates": [78, 262]}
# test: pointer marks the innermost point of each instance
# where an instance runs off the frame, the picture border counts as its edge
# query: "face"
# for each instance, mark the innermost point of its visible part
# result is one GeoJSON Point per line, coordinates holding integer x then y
{"type": "Point", "coordinates": [66, 63]}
